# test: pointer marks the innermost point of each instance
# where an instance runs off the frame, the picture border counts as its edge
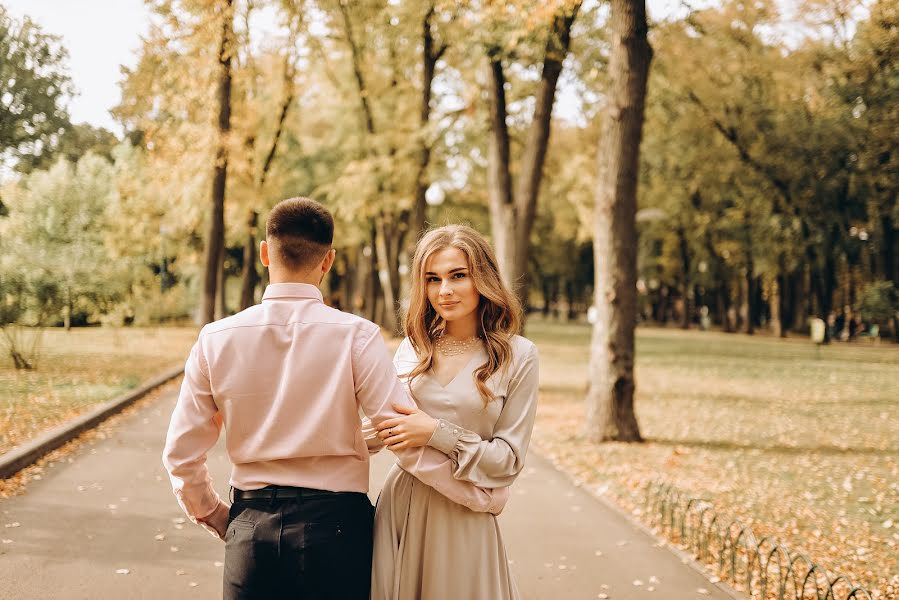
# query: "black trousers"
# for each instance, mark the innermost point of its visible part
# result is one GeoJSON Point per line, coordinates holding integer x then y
{"type": "Point", "coordinates": [310, 547]}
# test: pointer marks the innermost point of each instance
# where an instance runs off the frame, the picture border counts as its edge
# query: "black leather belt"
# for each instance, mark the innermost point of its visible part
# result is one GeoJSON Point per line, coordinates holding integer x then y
{"type": "Point", "coordinates": [278, 492]}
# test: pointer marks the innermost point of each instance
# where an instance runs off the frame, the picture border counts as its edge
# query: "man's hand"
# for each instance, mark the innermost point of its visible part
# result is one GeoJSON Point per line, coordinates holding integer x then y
{"type": "Point", "coordinates": [410, 431]}
{"type": "Point", "coordinates": [216, 523]}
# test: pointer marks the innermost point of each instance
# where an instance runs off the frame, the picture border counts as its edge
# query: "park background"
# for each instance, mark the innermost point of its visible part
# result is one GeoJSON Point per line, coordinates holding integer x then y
{"type": "Point", "coordinates": [765, 198]}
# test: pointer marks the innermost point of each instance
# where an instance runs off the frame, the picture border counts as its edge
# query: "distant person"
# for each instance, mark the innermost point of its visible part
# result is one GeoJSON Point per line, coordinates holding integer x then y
{"type": "Point", "coordinates": [840, 326]}
{"type": "Point", "coordinates": [475, 382]}
{"type": "Point", "coordinates": [286, 379]}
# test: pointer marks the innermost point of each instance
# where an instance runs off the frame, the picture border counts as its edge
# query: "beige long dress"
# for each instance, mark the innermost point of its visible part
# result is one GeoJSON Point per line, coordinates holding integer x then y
{"type": "Point", "coordinates": [427, 547]}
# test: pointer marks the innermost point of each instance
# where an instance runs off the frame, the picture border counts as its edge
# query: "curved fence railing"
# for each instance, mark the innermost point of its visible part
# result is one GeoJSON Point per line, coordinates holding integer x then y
{"type": "Point", "coordinates": [761, 567]}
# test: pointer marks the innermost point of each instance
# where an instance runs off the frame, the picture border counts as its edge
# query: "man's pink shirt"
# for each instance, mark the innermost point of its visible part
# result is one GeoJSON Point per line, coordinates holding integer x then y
{"type": "Point", "coordinates": [287, 378]}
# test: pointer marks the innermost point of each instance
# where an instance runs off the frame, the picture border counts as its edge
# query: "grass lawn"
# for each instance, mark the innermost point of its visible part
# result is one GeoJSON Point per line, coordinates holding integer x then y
{"type": "Point", "coordinates": [79, 369]}
{"type": "Point", "coordinates": [802, 448]}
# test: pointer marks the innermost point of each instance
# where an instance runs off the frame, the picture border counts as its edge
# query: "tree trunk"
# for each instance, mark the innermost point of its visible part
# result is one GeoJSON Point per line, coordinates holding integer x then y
{"type": "Point", "coordinates": [388, 271]}
{"type": "Point", "coordinates": [610, 398]}
{"type": "Point", "coordinates": [374, 286]}
{"type": "Point", "coordinates": [249, 276]}
{"type": "Point", "coordinates": [888, 252]}
{"type": "Point", "coordinates": [685, 276]}
{"type": "Point", "coordinates": [215, 243]}
{"type": "Point", "coordinates": [430, 56]}
{"type": "Point", "coordinates": [221, 306]}
{"type": "Point", "coordinates": [67, 310]}
{"type": "Point", "coordinates": [749, 325]}
{"type": "Point", "coordinates": [512, 216]}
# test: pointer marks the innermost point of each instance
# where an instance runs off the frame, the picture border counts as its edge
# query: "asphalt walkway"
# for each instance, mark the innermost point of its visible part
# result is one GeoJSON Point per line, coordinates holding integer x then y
{"type": "Point", "coordinates": [105, 525]}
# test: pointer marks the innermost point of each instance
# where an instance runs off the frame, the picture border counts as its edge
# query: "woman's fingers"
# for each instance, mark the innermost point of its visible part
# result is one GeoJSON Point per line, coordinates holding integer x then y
{"type": "Point", "coordinates": [394, 432]}
{"type": "Point", "coordinates": [387, 424]}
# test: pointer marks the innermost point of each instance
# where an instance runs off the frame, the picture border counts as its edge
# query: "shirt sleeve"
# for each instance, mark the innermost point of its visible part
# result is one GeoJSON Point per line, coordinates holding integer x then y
{"type": "Point", "coordinates": [370, 435]}
{"type": "Point", "coordinates": [377, 389]}
{"type": "Point", "coordinates": [193, 431]}
{"type": "Point", "coordinates": [497, 461]}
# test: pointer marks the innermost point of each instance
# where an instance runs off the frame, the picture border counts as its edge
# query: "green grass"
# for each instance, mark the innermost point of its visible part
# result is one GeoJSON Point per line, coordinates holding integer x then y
{"type": "Point", "coordinates": [802, 443]}
{"type": "Point", "coordinates": [80, 369]}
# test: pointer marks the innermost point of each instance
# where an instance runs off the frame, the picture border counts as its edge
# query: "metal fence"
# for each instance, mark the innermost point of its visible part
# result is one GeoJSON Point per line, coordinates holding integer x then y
{"type": "Point", "coordinates": [763, 568]}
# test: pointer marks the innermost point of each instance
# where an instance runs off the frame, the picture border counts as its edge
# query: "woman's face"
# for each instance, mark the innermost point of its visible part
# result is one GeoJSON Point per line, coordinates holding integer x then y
{"type": "Point", "coordinates": [450, 288]}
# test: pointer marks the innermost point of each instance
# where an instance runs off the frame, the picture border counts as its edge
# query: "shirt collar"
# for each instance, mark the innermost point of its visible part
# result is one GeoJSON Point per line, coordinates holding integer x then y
{"type": "Point", "coordinates": [296, 291]}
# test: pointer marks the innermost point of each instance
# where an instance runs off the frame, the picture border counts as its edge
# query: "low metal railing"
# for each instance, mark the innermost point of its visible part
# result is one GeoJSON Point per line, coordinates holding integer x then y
{"type": "Point", "coordinates": [763, 568]}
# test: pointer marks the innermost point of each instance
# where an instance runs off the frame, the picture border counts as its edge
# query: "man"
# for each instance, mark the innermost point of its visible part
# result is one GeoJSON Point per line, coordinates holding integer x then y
{"type": "Point", "coordinates": [286, 379]}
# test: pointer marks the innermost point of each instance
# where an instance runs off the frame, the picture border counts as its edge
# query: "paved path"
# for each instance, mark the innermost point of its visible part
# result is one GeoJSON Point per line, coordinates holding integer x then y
{"type": "Point", "coordinates": [111, 509]}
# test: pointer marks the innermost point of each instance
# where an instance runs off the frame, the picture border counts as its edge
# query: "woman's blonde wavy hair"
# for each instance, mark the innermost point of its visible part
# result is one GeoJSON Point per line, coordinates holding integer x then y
{"type": "Point", "coordinates": [499, 311]}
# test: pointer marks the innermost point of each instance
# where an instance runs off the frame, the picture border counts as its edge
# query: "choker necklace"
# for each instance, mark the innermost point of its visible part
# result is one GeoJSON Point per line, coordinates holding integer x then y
{"type": "Point", "coordinates": [448, 347]}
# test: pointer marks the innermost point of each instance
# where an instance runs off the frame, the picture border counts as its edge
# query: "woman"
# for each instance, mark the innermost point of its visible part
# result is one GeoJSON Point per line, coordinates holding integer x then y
{"type": "Point", "coordinates": [475, 383]}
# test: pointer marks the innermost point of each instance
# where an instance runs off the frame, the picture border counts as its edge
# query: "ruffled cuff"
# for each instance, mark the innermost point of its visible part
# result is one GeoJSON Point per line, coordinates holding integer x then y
{"type": "Point", "coordinates": [445, 437]}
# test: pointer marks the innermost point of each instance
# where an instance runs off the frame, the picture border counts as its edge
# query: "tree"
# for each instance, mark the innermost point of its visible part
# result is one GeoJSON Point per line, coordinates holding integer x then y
{"type": "Point", "coordinates": [34, 89]}
{"type": "Point", "coordinates": [215, 241]}
{"type": "Point", "coordinates": [513, 209]}
{"type": "Point", "coordinates": [610, 398]}
{"type": "Point", "coordinates": [74, 142]}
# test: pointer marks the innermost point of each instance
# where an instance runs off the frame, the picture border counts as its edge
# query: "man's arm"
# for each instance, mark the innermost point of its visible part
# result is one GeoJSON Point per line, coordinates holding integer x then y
{"type": "Point", "coordinates": [377, 389]}
{"type": "Point", "coordinates": [193, 431]}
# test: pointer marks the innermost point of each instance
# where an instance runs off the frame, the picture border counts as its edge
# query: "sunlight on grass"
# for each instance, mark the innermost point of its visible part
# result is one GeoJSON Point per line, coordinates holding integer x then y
{"type": "Point", "coordinates": [803, 448]}
{"type": "Point", "coordinates": [80, 369]}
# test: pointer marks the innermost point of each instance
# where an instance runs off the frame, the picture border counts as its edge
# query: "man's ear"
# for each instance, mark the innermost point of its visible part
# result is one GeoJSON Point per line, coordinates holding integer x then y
{"type": "Point", "coordinates": [263, 253]}
{"type": "Point", "coordinates": [329, 260]}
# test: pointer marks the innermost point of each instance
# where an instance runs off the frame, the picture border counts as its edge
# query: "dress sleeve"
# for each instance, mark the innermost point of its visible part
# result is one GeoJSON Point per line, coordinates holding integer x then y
{"type": "Point", "coordinates": [497, 461]}
{"type": "Point", "coordinates": [377, 389]}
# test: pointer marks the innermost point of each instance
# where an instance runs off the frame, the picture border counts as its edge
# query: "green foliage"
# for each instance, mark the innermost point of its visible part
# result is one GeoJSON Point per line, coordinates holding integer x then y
{"type": "Point", "coordinates": [57, 219]}
{"type": "Point", "coordinates": [878, 301]}
{"type": "Point", "coordinates": [34, 89]}
{"type": "Point", "coordinates": [74, 142]}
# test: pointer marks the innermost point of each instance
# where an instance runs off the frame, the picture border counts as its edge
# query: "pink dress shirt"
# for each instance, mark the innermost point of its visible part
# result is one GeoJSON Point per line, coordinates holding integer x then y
{"type": "Point", "coordinates": [287, 379]}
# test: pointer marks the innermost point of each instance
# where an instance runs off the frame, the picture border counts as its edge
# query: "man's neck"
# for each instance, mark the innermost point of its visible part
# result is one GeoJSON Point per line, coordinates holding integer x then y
{"type": "Point", "coordinates": [305, 280]}
{"type": "Point", "coordinates": [294, 278]}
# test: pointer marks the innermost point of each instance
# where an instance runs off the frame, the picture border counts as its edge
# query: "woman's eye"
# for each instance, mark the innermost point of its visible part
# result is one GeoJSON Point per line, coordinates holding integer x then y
{"type": "Point", "coordinates": [433, 279]}
{"type": "Point", "coordinates": [459, 275]}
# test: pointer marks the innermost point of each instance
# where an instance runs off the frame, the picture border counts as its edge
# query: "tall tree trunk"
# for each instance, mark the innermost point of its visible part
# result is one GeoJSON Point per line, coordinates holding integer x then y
{"type": "Point", "coordinates": [221, 306]}
{"type": "Point", "coordinates": [610, 398]}
{"type": "Point", "coordinates": [684, 276]}
{"type": "Point", "coordinates": [249, 276]}
{"type": "Point", "coordinates": [374, 289]}
{"type": "Point", "coordinates": [499, 179]}
{"type": "Point", "coordinates": [387, 248]}
{"type": "Point", "coordinates": [728, 323]}
{"type": "Point", "coordinates": [67, 310]}
{"type": "Point", "coordinates": [749, 325]}
{"type": "Point", "coordinates": [430, 56]}
{"type": "Point", "coordinates": [512, 215]}
{"type": "Point", "coordinates": [215, 244]}
{"type": "Point", "coordinates": [888, 251]}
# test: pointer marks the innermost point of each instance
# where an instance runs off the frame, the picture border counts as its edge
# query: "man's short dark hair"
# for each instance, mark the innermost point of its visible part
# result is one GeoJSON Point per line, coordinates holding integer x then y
{"type": "Point", "coordinates": [300, 230]}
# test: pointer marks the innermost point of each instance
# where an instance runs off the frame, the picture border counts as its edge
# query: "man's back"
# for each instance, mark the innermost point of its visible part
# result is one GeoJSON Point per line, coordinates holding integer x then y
{"type": "Point", "coordinates": [281, 376]}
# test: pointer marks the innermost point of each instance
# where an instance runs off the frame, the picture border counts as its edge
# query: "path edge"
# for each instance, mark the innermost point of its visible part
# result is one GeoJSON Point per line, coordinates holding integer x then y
{"type": "Point", "coordinates": [27, 454]}
{"type": "Point", "coordinates": [686, 558]}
